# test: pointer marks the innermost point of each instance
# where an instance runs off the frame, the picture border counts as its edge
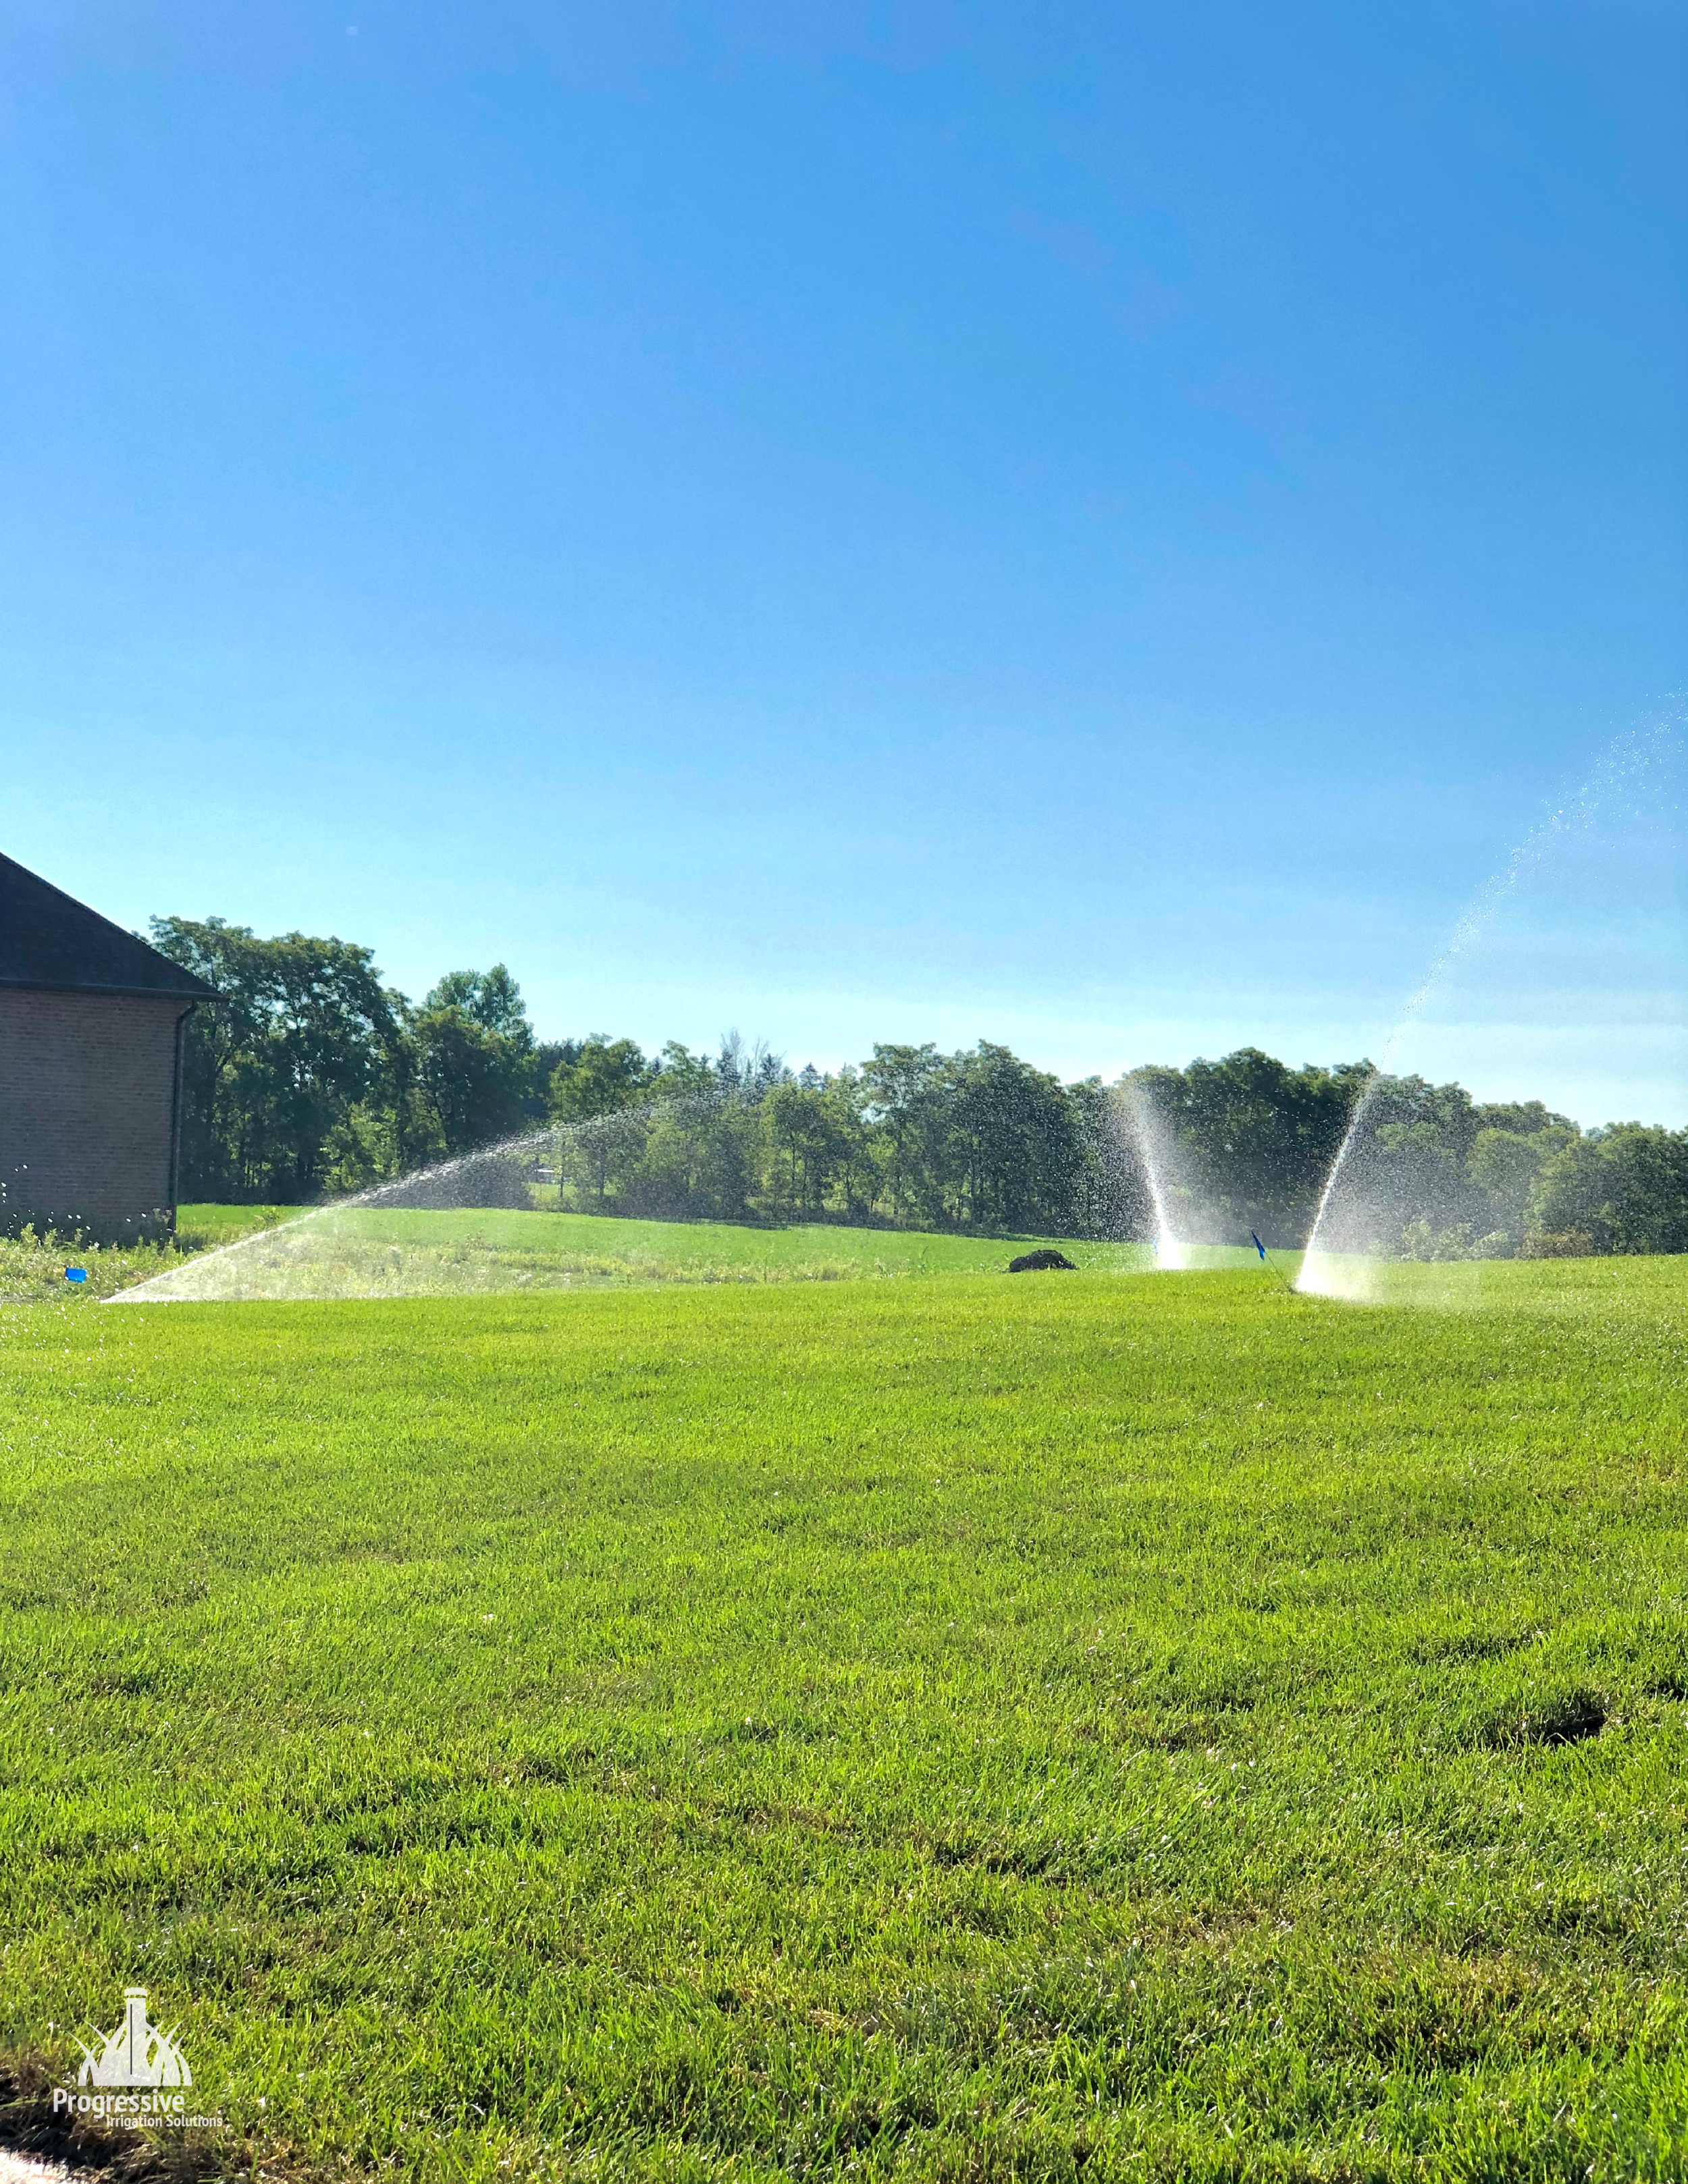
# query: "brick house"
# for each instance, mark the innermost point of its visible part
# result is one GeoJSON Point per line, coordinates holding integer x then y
{"type": "Point", "coordinates": [91, 1024]}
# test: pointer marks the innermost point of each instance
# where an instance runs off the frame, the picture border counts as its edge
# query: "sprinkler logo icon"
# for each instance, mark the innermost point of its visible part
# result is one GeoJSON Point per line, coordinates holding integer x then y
{"type": "Point", "coordinates": [133, 2072]}
{"type": "Point", "coordinates": [135, 2052]}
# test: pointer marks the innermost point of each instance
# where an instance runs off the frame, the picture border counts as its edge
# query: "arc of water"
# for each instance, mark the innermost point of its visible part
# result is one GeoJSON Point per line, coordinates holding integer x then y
{"type": "Point", "coordinates": [1171, 1253]}
{"type": "Point", "coordinates": [1629, 754]}
{"type": "Point", "coordinates": [261, 1239]}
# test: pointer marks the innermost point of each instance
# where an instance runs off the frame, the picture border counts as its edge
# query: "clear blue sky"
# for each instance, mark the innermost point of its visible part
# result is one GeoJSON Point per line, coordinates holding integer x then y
{"type": "Point", "coordinates": [1097, 526]}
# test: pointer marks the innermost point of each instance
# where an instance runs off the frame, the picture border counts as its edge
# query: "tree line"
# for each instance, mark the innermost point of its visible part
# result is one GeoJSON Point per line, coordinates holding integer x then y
{"type": "Point", "coordinates": [1430, 1173]}
{"type": "Point", "coordinates": [309, 1077]}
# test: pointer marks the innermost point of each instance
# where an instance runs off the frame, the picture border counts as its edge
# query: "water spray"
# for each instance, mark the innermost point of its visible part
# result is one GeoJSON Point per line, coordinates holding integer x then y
{"type": "Point", "coordinates": [1327, 1268]}
{"type": "Point", "coordinates": [1157, 1158]}
{"type": "Point", "coordinates": [447, 1185]}
{"type": "Point", "coordinates": [1278, 1272]}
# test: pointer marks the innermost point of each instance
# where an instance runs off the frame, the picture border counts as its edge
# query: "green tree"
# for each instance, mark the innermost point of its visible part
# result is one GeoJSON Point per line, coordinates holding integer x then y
{"type": "Point", "coordinates": [492, 998]}
{"type": "Point", "coordinates": [1110, 1195]}
{"type": "Point", "coordinates": [811, 1134]}
{"type": "Point", "coordinates": [697, 1159]}
{"type": "Point", "coordinates": [1434, 1175]}
{"type": "Point", "coordinates": [680, 1075]}
{"type": "Point", "coordinates": [1258, 1138]}
{"type": "Point", "coordinates": [471, 1060]}
{"type": "Point", "coordinates": [601, 1078]}
{"type": "Point", "coordinates": [1015, 1142]}
{"type": "Point", "coordinates": [1417, 1167]}
{"type": "Point", "coordinates": [1624, 1189]}
{"type": "Point", "coordinates": [858, 1175]}
{"type": "Point", "coordinates": [602, 1075]}
{"type": "Point", "coordinates": [473, 1082]}
{"type": "Point", "coordinates": [907, 1090]}
{"type": "Point", "coordinates": [304, 1032]}
{"type": "Point", "coordinates": [1504, 1168]}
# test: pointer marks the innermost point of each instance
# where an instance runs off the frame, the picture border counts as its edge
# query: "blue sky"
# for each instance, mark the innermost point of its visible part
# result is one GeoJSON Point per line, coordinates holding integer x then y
{"type": "Point", "coordinates": [1094, 527]}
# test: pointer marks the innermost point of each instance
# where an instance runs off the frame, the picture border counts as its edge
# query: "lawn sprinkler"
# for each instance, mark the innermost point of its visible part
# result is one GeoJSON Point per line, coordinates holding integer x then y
{"type": "Point", "coordinates": [1267, 1264]}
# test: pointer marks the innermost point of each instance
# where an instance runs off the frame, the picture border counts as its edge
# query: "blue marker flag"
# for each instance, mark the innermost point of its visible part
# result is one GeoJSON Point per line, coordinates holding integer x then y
{"type": "Point", "coordinates": [75, 1274]}
{"type": "Point", "coordinates": [1258, 1245]}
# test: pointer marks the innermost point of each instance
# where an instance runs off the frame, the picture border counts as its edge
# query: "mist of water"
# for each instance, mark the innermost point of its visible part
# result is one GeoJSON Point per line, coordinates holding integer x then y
{"type": "Point", "coordinates": [371, 1244]}
{"type": "Point", "coordinates": [1360, 1211]}
{"type": "Point", "coordinates": [1157, 1157]}
{"type": "Point", "coordinates": [346, 1248]}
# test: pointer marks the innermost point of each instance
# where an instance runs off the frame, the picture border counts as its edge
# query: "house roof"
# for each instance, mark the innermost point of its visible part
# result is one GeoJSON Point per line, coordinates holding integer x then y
{"type": "Point", "coordinates": [50, 940]}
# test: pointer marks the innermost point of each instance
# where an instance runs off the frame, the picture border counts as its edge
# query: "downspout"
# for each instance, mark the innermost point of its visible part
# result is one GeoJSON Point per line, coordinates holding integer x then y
{"type": "Point", "coordinates": [176, 1111]}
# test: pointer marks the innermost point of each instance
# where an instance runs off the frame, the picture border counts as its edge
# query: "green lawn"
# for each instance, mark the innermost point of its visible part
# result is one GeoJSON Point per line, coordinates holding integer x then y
{"type": "Point", "coordinates": [202, 1227]}
{"type": "Point", "coordinates": [1029, 1728]}
{"type": "Point", "coordinates": [353, 1250]}
{"type": "Point", "coordinates": [364, 1250]}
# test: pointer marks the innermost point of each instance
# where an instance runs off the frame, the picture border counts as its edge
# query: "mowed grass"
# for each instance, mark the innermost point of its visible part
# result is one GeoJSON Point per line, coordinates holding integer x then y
{"type": "Point", "coordinates": [1058, 1727]}
{"type": "Point", "coordinates": [202, 1227]}
{"type": "Point", "coordinates": [354, 1250]}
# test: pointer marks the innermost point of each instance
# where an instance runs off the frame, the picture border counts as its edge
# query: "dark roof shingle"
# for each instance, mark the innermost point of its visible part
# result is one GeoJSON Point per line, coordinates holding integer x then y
{"type": "Point", "coordinates": [48, 939]}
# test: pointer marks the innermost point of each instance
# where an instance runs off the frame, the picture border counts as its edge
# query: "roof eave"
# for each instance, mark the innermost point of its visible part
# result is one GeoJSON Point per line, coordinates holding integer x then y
{"type": "Point", "coordinates": [111, 992]}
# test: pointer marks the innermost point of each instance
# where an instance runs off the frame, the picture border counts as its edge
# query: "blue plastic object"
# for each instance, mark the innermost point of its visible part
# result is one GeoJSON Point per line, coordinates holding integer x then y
{"type": "Point", "coordinates": [75, 1274]}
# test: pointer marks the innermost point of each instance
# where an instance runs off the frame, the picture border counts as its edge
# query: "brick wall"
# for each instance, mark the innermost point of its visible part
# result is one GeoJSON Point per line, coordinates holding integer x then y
{"type": "Point", "coordinates": [86, 1082]}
